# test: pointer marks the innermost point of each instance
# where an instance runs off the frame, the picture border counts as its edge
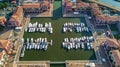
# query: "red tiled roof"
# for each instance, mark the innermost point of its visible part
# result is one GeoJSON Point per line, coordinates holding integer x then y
{"type": "Point", "coordinates": [85, 4]}
{"type": "Point", "coordinates": [100, 17]}
{"type": "Point", "coordinates": [69, 4]}
{"type": "Point", "coordinates": [36, 5]}
{"type": "Point", "coordinates": [4, 43]}
{"type": "Point", "coordinates": [1, 55]}
{"type": "Point", "coordinates": [16, 16]}
{"type": "Point", "coordinates": [116, 56]}
{"type": "Point", "coordinates": [112, 18]}
{"type": "Point", "coordinates": [82, 4]}
{"type": "Point", "coordinates": [31, 5]}
{"type": "Point", "coordinates": [112, 43]}
{"type": "Point", "coordinates": [2, 19]}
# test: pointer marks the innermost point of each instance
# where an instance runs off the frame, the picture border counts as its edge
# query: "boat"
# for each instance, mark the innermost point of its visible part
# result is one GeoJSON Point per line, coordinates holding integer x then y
{"type": "Point", "coordinates": [82, 45]}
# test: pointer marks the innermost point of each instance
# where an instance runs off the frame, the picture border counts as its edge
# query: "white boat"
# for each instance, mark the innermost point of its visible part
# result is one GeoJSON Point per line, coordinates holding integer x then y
{"type": "Point", "coordinates": [63, 44]}
{"type": "Point", "coordinates": [38, 47]}
{"type": "Point", "coordinates": [35, 46]}
{"type": "Point", "coordinates": [22, 55]}
{"type": "Point", "coordinates": [45, 47]}
{"type": "Point", "coordinates": [67, 40]}
{"type": "Point", "coordinates": [68, 47]}
{"type": "Point", "coordinates": [31, 40]}
{"type": "Point", "coordinates": [40, 39]}
{"type": "Point", "coordinates": [71, 46]}
{"type": "Point", "coordinates": [82, 45]}
{"type": "Point", "coordinates": [88, 46]}
{"type": "Point", "coordinates": [27, 40]}
{"type": "Point", "coordinates": [76, 46]}
{"type": "Point", "coordinates": [87, 29]}
{"type": "Point", "coordinates": [30, 47]}
{"type": "Point", "coordinates": [27, 46]}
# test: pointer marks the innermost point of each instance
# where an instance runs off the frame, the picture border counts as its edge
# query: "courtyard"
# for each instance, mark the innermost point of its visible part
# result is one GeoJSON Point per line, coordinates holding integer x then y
{"type": "Point", "coordinates": [56, 52]}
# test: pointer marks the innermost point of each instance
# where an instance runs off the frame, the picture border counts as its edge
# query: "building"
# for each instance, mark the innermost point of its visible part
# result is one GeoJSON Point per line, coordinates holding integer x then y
{"type": "Point", "coordinates": [6, 46]}
{"type": "Point", "coordinates": [2, 20]}
{"type": "Point", "coordinates": [95, 9]}
{"type": "Point", "coordinates": [111, 44]}
{"type": "Point", "coordinates": [74, 5]}
{"type": "Point", "coordinates": [3, 58]}
{"type": "Point", "coordinates": [115, 57]}
{"type": "Point", "coordinates": [100, 18]}
{"type": "Point", "coordinates": [16, 18]}
{"type": "Point", "coordinates": [14, 1]}
{"type": "Point", "coordinates": [35, 6]}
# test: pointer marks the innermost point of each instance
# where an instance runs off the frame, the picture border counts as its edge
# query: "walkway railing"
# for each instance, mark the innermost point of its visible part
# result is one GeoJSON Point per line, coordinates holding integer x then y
{"type": "Point", "coordinates": [105, 4]}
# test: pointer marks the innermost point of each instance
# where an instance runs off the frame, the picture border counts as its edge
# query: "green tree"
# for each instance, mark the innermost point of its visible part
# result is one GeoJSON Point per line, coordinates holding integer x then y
{"type": "Point", "coordinates": [6, 4]}
{"type": "Point", "coordinates": [2, 5]}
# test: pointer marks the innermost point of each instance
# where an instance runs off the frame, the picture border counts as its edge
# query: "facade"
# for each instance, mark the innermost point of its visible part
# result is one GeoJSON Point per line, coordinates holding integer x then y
{"type": "Point", "coordinates": [3, 58]}
{"type": "Point", "coordinates": [115, 57]}
{"type": "Point", "coordinates": [6, 46]}
{"type": "Point", "coordinates": [74, 5]}
{"type": "Point", "coordinates": [16, 18]}
{"type": "Point", "coordinates": [2, 20]}
{"type": "Point", "coordinates": [35, 6]}
{"type": "Point", "coordinates": [111, 44]}
{"type": "Point", "coordinates": [14, 1]}
{"type": "Point", "coordinates": [100, 18]}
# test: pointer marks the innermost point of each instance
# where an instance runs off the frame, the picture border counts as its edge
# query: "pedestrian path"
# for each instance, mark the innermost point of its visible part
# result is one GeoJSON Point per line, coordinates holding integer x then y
{"type": "Point", "coordinates": [107, 5]}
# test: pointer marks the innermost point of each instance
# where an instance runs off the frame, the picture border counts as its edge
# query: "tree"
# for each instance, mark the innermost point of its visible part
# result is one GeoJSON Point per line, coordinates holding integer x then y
{"type": "Point", "coordinates": [6, 4]}
{"type": "Point", "coordinates": [2, 5]}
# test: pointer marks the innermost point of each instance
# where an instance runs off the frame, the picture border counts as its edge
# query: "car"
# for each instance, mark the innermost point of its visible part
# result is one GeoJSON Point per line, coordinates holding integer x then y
{"type": "Point", "coordinates": [103, 60]}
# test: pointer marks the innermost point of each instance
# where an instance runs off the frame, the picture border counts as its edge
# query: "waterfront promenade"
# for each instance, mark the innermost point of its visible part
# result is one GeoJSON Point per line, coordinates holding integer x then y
{"type": "Point", "coordinates": [105, 4]}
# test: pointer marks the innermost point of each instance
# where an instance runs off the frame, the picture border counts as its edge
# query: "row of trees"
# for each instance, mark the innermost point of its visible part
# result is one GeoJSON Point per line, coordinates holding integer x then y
{"type": "Point", "coordinates": [3, 5]}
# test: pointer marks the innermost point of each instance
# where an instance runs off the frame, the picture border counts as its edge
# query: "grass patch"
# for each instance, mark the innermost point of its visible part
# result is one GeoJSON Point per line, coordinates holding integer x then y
{"type": "Point", "coordinates": [56, 52]}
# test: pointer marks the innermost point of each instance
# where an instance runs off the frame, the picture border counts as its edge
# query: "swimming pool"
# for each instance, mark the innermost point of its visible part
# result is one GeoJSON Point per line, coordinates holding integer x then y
{"type": "Point", "coordinates": [111, 2]}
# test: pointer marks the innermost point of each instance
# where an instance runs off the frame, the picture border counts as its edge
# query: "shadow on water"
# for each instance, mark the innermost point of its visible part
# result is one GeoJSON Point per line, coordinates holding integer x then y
{"type": "Point", "coordinates": [57, 65]}
{"type": "Point", "coordinates": [93, 57]}
{"type": "Point", "coordinates": [57, 13]}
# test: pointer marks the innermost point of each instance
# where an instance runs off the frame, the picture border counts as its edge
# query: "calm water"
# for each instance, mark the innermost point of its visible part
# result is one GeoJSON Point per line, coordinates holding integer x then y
{"type": "Point", "coordinates": [111, 2]}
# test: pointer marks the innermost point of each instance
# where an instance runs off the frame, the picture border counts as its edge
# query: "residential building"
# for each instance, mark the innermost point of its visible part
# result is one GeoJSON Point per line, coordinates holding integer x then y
{"type": "Point", "coordinates": [16, 18]}
{"type": "Point", "coordinates": [111, 44]}
{"type": "Point", "coordinates": [35, 6]}
{"type": "Point", "coordinates": [14, 1]}
{"type": "Point", "coordinates": [6, 45]}
{"type": "Point", "coordinates": [3, 58]}
{"type": "Point", "coordinates": [115, 57]}
{"type": "Point", "coordinates": [100, 18]}
{"type": "Point", "coordinates": [74, 5]}
{"type": "Point", "coordinates": [95, 9]}
{"type": "Point", "coordinates": [2, 20]}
